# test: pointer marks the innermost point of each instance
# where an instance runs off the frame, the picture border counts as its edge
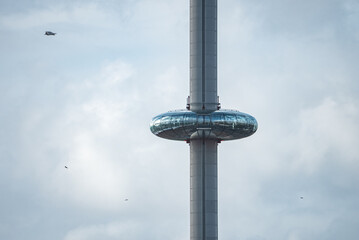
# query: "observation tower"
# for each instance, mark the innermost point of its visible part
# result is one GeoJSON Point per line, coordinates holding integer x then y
{"type": "Point", "coordinates": [203, 124]}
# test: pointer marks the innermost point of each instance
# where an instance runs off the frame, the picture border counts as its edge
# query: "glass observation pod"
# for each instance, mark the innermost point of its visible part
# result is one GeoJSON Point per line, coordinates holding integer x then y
{"type": "Point", "coordinates": [182, 125]}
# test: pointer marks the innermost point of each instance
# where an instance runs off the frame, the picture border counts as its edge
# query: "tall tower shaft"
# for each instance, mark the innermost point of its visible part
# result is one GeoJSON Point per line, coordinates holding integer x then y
{"type": "Point", "coordinates": [203, 56]}
{"type": "Point", "coordinates": [203, 125]}
{"type": "Point", "coordinates": [203, 190]}
{"type": "Point", "coordinates": [203, 99]}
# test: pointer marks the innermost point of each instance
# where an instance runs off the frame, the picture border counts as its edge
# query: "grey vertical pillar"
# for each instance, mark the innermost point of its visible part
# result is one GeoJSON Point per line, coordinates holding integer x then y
{"type": "Point", "coordinates": [203, 56]}
{"type": "Point", "coordinates": [203, 180]}
{"type": "Point", "coordinates": [203, 100]}
{"type": "Point", "coordinates": [203, 128]}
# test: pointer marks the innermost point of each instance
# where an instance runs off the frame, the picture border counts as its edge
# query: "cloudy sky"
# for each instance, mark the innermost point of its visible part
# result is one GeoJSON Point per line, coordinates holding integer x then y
{"type": "Point", "coordinates": [84, 99]}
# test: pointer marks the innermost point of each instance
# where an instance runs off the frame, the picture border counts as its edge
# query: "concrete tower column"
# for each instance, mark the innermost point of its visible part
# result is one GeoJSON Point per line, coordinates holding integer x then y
{"type": "Point", "coordinates": [203, 126]}
{"type": "Point", "coordinates": [203, 190]}
{"type": "Point", "coordinates": [203, 100]}
{"type": "Point", "coordinates": [203, 56]}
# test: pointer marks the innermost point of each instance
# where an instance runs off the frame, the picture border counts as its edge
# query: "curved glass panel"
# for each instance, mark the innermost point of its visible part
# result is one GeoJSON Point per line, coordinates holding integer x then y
{"type": "Point", "coordinates": [223, 124]}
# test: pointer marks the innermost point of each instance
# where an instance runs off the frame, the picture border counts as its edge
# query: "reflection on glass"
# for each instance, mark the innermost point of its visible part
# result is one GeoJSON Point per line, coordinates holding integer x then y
{"type": "Point", "coordinates": [225, 124]}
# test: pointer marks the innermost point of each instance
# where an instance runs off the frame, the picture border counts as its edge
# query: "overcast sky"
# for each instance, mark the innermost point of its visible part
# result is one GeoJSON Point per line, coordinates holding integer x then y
{"type": "Point", "coordinates": [85, 97]}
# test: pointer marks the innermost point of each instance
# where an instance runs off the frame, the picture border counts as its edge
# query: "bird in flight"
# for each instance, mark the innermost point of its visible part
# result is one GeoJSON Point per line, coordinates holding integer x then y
{"type": "Point", "coordinates": [66, 167]}
{"type": "Point", "coordinates": [49, 33]}
{"type": "Point", "coordinates": [126, 199]}
{"type": "Point", "coordinates": [301, 197]}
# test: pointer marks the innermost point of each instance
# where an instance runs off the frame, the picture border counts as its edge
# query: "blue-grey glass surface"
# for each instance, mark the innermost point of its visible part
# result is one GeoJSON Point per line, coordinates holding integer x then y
{"type": "Point", "coordinates": [223, 124]}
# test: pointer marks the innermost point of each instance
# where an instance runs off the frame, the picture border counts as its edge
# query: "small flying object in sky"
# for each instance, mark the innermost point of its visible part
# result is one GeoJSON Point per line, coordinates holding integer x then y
{"type": "Point", "coordinates": [66, 167]}
{"type": "Point", "coordinates": [49, 33]}
{"type": "Point", "coordinates": [126, 199]}
{"type": "Point", "coordinates": [301, 197]}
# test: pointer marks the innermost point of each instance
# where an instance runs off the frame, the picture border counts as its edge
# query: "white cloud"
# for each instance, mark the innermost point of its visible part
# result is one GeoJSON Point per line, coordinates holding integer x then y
{"type": "Point", "coordinates": [326, 131]}
{"type": "Point", "coordinates": [92, 123]}
{"type": "Point", "coordinates": [81, 133]}
{"type": "Point", "coordinates": [168, 88]}
{"type": "Point", "coordinates": [125, 230]}
{"type": "Point", "coordinates": [116, 72]}
{"type": "Point", "coordinates": [128, 229]}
